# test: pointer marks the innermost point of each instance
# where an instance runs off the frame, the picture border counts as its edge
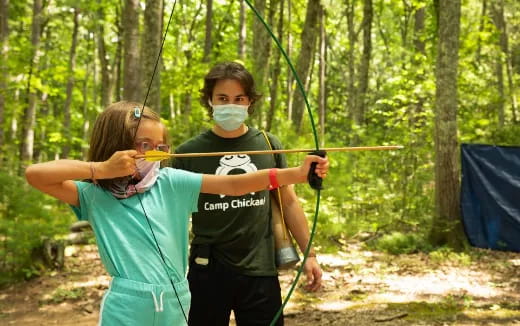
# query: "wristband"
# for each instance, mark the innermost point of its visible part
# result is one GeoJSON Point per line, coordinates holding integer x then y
{"type": "Point", "coordinates": [92, 173]}
{"type": "Point", "coordinates": [273, 181]}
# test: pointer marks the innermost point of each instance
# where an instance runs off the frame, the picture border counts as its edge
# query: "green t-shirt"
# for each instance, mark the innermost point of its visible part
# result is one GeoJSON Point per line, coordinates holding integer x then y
{"type": "Point", "coordinates": [237, 228]}
{"type": "Point", "coordinates": [125, 243]}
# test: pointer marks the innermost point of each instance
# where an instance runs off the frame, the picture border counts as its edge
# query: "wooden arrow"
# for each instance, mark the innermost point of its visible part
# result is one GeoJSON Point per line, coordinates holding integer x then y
{"type": "Point", "coordinates": [159, 156]}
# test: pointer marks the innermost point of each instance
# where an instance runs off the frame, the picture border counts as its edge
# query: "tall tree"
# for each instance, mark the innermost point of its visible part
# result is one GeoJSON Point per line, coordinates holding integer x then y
{"type": "Point", "coordinates": [153, 16]}
{"type": "Point", "coordinates": [481, 27]}
{"type": "Point", "coordinates": [275, 72]}
{"type": "Point", "coordinates": [364, 65]}
{"type": "Point", "coordinates": [303, 67]}
{"type": "Point", "coordinates": [351, 62]}
{"type": "Point", "coordinates": [209, 29]}
{"type": "Point", "coordinates": [106, 67]}
{"type": "Point", "coordinates": [262, 48]}
{"type": "Point", "coordinates": [418, 39]}
{"type": "Point", "coordinates": [131, 66]}
{"type": "Point", "coordinates": [322, 96]}
{"type": "Point", "coordinates": [118, 61]}
{"type": "Point", "coordinates": [447, 228]}
{"type": "Point", "coordinates": [242, 31]}
{"type": "Point", "coordinates": [501, 26]}
{"type": "Point", "coordinates": [70, 84]}
{"type": "Point", "coordinates": [4, 46]}
{"type": "Point", "coordinates": [29, 114]}
{"type": "Point", "coordinates": [289, 83]}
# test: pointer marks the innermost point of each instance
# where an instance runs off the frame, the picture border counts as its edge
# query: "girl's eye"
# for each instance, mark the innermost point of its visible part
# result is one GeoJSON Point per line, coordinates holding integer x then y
{"type": "Point", "coordinates": [146, 146]}
{"type": "Point", "coordinates": [163, 147]}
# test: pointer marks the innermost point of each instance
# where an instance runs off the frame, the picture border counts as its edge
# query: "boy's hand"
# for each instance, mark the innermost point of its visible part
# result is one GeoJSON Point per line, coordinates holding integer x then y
{"type": "Point", "coordinates": [322, 166]}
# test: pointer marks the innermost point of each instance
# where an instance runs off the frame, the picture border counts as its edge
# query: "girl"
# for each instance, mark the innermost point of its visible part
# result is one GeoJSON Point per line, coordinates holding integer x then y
{"type": "Point", "coordinates": [139, 213]}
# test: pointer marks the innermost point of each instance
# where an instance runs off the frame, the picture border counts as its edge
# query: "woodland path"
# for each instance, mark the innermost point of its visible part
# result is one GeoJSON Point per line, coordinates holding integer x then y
{"type": "Point", "coordinates": [361, 287]}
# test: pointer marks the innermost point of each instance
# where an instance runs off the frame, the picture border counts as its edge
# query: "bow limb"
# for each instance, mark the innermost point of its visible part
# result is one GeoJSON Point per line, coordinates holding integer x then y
{"type": "Point", "coordinates": [315, 219]}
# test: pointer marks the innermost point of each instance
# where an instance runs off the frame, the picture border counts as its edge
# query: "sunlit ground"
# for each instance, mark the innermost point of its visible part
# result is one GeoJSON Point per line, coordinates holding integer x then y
{"type": "Point", "coordinates": [360, 287]}
{"type": "Point", "coordinates": [470, 289]}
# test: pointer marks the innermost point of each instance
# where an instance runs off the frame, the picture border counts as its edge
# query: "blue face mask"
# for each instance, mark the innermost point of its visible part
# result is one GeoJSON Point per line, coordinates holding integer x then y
{"type": "Point", "coordinates": [229, 116]}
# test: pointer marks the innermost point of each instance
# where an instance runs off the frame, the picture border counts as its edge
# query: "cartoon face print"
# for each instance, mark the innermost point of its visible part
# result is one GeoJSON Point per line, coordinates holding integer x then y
{"type": "Point", "coordinates": [233, 162]}
{"type": "Point", "coordinates": [236, 161]}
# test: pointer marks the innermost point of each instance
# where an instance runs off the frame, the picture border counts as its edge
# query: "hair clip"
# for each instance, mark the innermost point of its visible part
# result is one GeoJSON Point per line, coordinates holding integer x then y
{"type": "Point", "coordinates": [137, 112]}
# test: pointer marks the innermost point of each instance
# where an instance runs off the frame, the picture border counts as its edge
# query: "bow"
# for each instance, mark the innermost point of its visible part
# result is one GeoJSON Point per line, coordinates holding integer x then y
{"type": "Point", "coordinates": [304, 94]}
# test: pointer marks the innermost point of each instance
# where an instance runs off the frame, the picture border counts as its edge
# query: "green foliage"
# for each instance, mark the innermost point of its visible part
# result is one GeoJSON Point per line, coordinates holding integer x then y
{"type": "Point", "coordinates": [26, 217]}
{"type": "Point", "coordinates": [399, 243]}
{"type": "Point", "coordinates": [388, 192]}
{"type": "Point", "coordinates": [430, 311]}
{"type": "Point", "coordinates": [62, 294]}
{"type": "Point", "coordinates": [444, 254]}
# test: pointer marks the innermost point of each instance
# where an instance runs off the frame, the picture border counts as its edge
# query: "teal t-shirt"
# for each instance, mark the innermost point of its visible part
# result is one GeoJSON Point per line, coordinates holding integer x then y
{"type": "Point", "coordinates": [237, 228]}
{"type": "Point", "coordinates": [125, 243]}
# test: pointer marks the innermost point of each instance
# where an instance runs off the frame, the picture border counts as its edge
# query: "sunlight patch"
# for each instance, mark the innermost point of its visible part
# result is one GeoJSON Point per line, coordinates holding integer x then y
{"type": "Point", "coordinates": [334, 305]}
{"type": "Point", "coordinates": [441, 285]}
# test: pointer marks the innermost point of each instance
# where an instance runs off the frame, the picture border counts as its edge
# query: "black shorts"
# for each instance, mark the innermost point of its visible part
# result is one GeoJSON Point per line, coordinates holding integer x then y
{"type": "Point", "coordinates": [216, 290]}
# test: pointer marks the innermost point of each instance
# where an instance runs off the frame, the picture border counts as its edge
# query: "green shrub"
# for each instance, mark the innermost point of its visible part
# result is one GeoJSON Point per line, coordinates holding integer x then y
{"type": "Point", "coordinates": [398, 243]}
{"type": "Point", "coordinates": [26, 217]}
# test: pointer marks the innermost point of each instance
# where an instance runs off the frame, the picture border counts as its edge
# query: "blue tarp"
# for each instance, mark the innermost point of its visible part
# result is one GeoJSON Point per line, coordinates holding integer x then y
{"type": "Point", "coordinates": [490, 196]}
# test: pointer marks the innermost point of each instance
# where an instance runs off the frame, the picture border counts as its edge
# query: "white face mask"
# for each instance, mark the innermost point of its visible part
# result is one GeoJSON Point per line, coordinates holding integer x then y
{"type": "Point", "coordinates": [229, 116]}
{"type": "Point", "coordinates": [148, 171]}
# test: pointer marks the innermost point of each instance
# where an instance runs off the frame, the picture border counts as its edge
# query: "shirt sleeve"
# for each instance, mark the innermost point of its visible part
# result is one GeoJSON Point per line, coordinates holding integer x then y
{"type": "Point", "coordinates": [281, 160]}
{"type": "Point", "coordinates": [186, 186]}
{"type": "Point", "coordinates": [81, 211]}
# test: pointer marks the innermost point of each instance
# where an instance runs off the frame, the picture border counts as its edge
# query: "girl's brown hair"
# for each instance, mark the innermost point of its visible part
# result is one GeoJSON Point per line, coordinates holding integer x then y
{"type": "Point", "coordinates": [114, 130]}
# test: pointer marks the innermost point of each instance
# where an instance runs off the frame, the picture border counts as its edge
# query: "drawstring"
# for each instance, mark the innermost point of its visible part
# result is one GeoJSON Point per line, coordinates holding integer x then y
{"type": "Point", "coordinates": [158, 307]}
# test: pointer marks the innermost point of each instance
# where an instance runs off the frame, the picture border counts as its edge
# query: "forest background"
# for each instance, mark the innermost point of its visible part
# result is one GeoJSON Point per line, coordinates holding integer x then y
{"type": "Point", "coordinates": [428, 75]}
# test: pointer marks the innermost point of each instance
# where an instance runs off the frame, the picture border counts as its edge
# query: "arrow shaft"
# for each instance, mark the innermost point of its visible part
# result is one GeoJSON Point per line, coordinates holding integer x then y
{"type": "Point", "coordinates": [275, 151]}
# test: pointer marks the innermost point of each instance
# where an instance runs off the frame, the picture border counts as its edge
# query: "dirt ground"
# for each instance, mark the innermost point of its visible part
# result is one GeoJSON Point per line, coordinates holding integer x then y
{"type": "Point", "coordinates": [361, 287]}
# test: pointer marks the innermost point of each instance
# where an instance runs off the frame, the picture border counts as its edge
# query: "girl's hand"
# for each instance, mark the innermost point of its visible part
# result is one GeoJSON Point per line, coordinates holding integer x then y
{"type": "Point", "coordinates": [321, 168]}
{"type": "Point", "coordinates": [120, 164]}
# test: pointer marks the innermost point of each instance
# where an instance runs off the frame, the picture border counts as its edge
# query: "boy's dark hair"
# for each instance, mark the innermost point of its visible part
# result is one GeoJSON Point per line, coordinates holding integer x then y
{"type": "Point", "coordinates": [228, 70]}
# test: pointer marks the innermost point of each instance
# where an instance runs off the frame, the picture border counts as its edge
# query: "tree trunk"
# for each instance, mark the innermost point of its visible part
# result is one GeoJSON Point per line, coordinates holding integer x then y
{"type": "Point", "coordinates": [4, 50]}
{"type": "Point", "coordinates": [364, 66]}
{"type": "Point", "coordinates": [70, 85]}
{"type": "Point", "coordinates": [322, 96]}
{"type": "Point", "coordinates": [86, 113]}
{"type": "Point", "coordinates": [447, 229]}
{"type": "Point", "coordinates": [480, 32]}
{"type": "Point", "coordinates": [500, 104]}
{"type": "Point", "coordinates": [262, 48]}
{"type": "Point", "coordinates": [153, 16]}
{"type": "Point", "coordinates": [106, 85]}
{"type": "Point", "coordinates": [290, 79]}
{"type": "Point", "coordinates": [501, 25]}
{"type": "Point", "coordinates": [131, 68]}
{"type": "Point", "coordinates": [308, 43]}
{"type": "Point", "coordinates": [118, 73]}
{"type": "Point", "coordinates": [209, 29]}
{"type": "Point", "coordinates": [29, 114]}
{"type": "Point", "coordinates": [242, 35]}
{"type": "Point", "coordinates": [351, 63]}
{"type": "Point", "coordinates": [418, 41]}
{"type": "Point", "coordinates": [276, 71]}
